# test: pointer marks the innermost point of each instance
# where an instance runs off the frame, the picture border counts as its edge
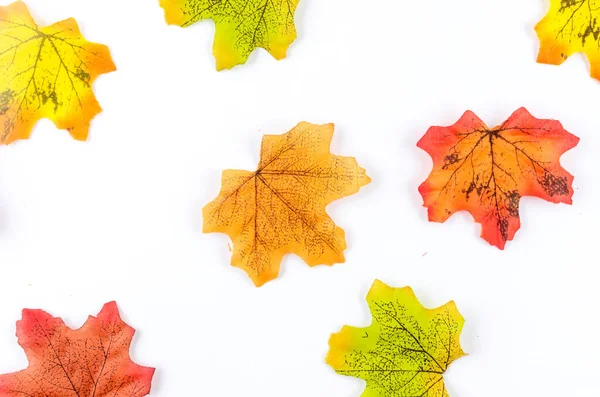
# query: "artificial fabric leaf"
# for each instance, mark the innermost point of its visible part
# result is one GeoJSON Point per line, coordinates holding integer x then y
{"type": "Point", "coordinates": [570, 26]}
{"type": "Point", "coordinates": [241, 26]}
{"type": "Point", "coordinates": [486, 171]}
{"type": "Point", "coordinates": [406, 349]}
{"type": "Point", "coordinates": [92, 361]}
{"type": "Point", "coordinates": [280, 207]}
{"type": "Point", "coordinates": [46, 73]}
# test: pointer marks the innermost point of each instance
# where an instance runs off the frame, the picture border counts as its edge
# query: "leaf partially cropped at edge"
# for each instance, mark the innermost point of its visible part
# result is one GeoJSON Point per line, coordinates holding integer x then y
{"type": "Point", "coordinates": [46, 73]}
{"type": "Point", "coordinates": [486, 171]}
{"type": "Point", "coordinates": [280, 207]}
{"type": "Point", "coordinates": [241, 26]}
{"type": "Point", "coordinates": [405, 351]}
{"type": "Point", "coordinates": [91, 361]}
{"type": "Point", "coordinates": [571, 26]}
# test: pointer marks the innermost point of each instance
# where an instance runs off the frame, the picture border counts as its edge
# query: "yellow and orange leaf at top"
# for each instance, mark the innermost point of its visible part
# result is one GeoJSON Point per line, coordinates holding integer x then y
{"type": "Point", "coordinates": [241, 26]}
{"type": "Point", "coordinates": [405, 351]}
{"type": "Point", "coordinates": [46, 73]}
{"type": "Point", "coordinates": [92, 361]}
{"type": "Point", "coordinates": [486, 171]}
{"type": "Point", "coordinates": [571, 26]}
{"type": "Point", "coordinates": [280, 207]}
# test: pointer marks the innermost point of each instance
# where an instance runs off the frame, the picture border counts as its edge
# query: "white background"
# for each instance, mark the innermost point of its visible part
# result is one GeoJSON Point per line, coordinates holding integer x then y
{"type": "Point", "coordinates": [119, 217]}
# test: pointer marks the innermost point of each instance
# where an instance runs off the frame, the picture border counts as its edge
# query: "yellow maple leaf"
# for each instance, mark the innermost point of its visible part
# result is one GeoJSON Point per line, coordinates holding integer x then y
{"type": "Point", "coordinates": [46, 73]}
{"type": "Point", "coordinates": [571, 26]}
{"type": "Point", "coordinates": [405, 351]}
{"type": "Point", "coordinates": [280, 207]}
{"type": "Point", "coordinates": [241, 25]}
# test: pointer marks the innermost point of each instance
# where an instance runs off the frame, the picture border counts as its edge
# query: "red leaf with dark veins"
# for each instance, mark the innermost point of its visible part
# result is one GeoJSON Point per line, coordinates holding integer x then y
{"type": "Point", "coordinates": [92, 361]}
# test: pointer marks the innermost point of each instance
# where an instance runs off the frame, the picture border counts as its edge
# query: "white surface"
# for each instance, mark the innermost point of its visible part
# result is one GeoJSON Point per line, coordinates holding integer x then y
{"type": "Point", "coordinates": [119, 217]}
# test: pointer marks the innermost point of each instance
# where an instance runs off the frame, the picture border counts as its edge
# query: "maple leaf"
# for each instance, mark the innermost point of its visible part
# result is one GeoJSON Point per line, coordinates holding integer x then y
{"type": "Point", "coordinates": [241, 26]}
{"type": "Point", "coordinates": [92, 361]}
{"type": "Point", "coordinates": [280, 208]}
{"type": "Point", "coordinates": [486, 171]}
{"type": "Point", "coordinates": [46, 73]}
{"type": "Point", "coordinates": [570, 26]}
{"type": "Point", "coordinates": [406, 349]}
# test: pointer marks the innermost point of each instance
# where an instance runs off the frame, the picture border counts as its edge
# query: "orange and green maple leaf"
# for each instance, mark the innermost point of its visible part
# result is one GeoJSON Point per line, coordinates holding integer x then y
{"type": "Point", "coordinates": [46, 73]}
{"type": "Point", "coordinates": [92, 361]}
{"type": "Point", "coordinates": [571, 26]}
{"type": "Point", "coordinates": [241, 25]}
{"type": "Point", "coordinates": [280, 207]}
{"type": "Point", "coordinates": [405, 351]}
{"type": "Point", "coordinates": [486, 171]}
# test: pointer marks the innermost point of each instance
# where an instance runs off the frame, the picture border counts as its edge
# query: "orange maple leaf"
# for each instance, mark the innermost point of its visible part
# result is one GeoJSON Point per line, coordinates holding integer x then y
{"type": "Point", "coordinates": [91, 361]}
{"type": "Point", "coordinates": [280, 208]}
{"type": "Point", "coordinates": [486, 171]}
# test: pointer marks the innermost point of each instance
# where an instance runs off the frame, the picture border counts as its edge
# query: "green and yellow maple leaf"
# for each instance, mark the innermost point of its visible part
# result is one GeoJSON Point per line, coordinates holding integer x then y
{"type": "Point", "coordinates": [241, 25]}
{"type": "Point", "coordinates": [405, 351]}
{"type": "Point", "coordinates": [46, 73]}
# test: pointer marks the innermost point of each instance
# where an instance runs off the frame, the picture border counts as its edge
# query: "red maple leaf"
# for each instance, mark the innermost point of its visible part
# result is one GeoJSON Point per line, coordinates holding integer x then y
{"type": "Point", "coordinates": [92, 361]}
{"type": "Point", "coordinates": [486, 171]}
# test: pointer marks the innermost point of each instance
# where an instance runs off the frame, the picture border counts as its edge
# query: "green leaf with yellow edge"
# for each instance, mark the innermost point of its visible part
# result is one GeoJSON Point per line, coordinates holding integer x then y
{"type": "Point", "coordinates": [241, 25]}
{"type": "Point", "coordinates": [406, 349]}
